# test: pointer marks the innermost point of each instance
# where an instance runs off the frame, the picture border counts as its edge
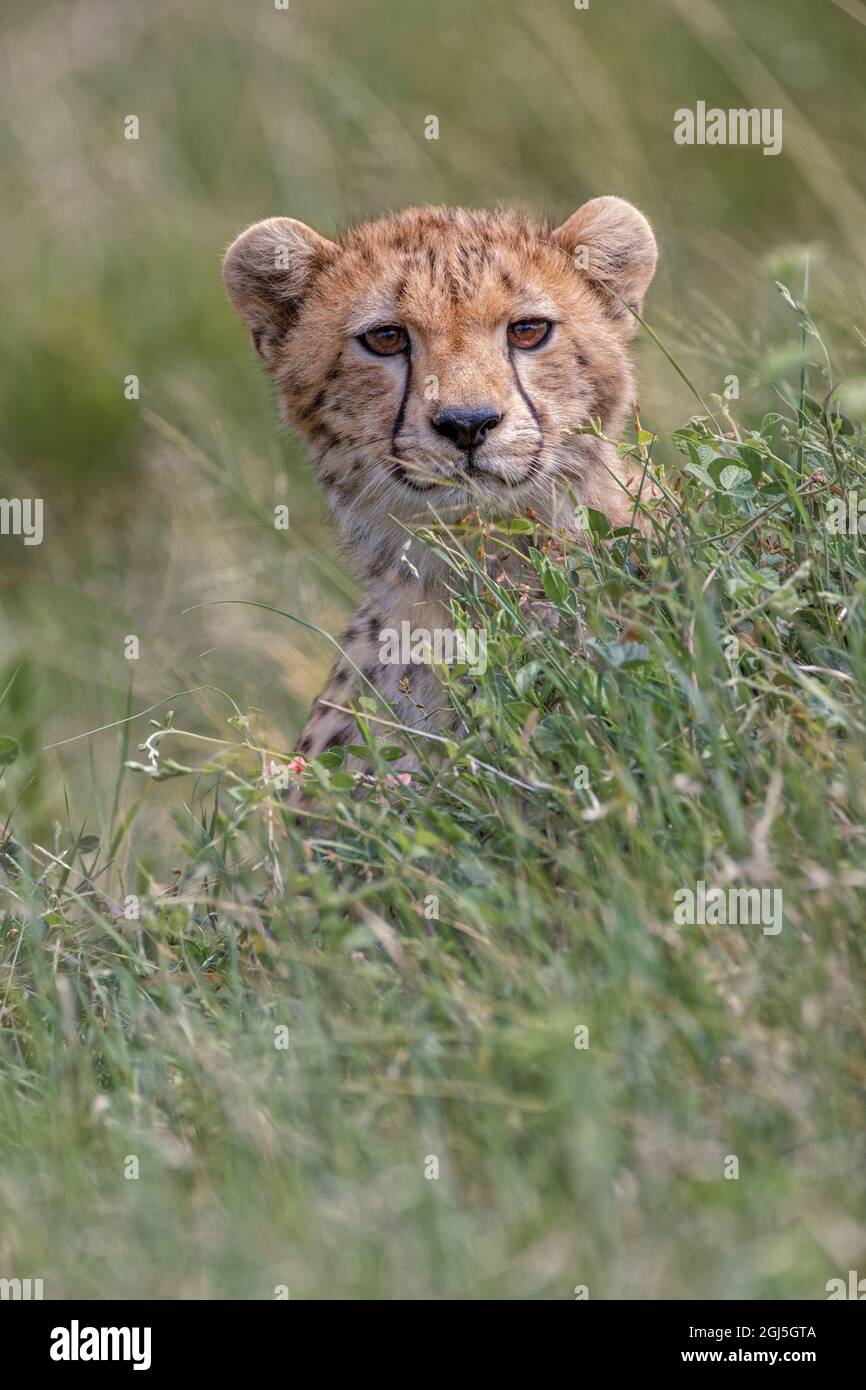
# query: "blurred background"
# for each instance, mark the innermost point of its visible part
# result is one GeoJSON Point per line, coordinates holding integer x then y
{"type": "Point", "coordinates": [110, 266]}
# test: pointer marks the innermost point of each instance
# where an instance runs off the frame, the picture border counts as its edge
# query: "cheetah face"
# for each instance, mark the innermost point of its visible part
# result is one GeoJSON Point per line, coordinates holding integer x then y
{"type": "Point", "coordinates": [434, 358]}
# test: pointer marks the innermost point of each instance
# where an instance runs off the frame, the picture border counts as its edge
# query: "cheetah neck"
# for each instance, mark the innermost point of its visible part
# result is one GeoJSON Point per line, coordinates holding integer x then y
{"type": "Point", "coordinates": [404, 564]}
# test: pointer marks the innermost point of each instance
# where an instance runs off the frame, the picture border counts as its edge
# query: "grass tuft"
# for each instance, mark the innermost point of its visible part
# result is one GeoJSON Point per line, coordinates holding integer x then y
{"type": "Point", "coordinates": [448, 1039]}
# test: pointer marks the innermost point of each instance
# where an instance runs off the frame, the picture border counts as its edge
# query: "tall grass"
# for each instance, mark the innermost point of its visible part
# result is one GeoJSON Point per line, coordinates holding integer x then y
{"type": "Point", "coordinates": [236, 1041]}
{"type": "Point", "coordinates": [110, 266]}
{"type": "Point", "coordinates": [448, 1039]}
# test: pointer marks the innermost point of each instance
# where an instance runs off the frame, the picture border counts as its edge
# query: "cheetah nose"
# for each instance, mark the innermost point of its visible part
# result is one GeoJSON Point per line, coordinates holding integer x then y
{"type": "Point", "coordinates": [466, 428]}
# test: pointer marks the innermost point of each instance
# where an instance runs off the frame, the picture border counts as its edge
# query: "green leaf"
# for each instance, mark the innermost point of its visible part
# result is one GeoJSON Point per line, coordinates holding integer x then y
{"type": "Point", "coordinates": [332, 757]}
{"type": "Point", "coordinates": [525, 677]}
{"type": "Point", "coordinates": [555, 584]}
{"type": "Point", "coordinates": [391, 752]}
{"type": "Point", "coordinates": [521, 709]}
{"type": "Point", "coordinates": [598, 523]}
{"type": "Point", "coordinates": [734, 479]}
{"type": "Point", "coordinates": [698, 471]}
{"type": "Point", "coordinates": [620, 654]}
{"type": "Point", "coordinates": [9, 750]}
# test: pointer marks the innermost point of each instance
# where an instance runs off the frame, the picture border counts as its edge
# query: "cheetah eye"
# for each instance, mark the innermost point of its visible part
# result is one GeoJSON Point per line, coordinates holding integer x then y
{"type": "Point", "coordinates": [386, 341]}
{"type": "Point", "coordinates": [529, 333]}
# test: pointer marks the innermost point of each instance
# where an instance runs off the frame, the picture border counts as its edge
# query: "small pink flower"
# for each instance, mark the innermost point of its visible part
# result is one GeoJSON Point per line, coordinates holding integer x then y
{"type": "Point", "coordinates": [402, 777]}
{"type": "Point", "coordinates": [297, 764]}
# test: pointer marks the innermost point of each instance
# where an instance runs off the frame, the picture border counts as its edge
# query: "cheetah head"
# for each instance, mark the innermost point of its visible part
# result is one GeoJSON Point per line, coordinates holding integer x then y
{"type": "Point", "coordinates": [433, 359]}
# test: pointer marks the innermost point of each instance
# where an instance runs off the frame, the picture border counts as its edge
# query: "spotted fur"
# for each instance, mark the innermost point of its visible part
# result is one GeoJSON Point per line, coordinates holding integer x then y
{"type": "Point", "coordinates": [455, 279]}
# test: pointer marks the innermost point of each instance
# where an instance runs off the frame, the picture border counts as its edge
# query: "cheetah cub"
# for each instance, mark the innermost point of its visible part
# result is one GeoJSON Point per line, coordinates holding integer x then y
{"type": "Point", "coordinates": [433, 359]}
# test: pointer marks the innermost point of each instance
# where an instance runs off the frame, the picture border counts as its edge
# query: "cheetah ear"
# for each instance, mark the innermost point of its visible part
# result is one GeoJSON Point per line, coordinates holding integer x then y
{"type": "Point", "coordinates": [267, 271]}
{"type": "Point", "coordinates": [613, 243]}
